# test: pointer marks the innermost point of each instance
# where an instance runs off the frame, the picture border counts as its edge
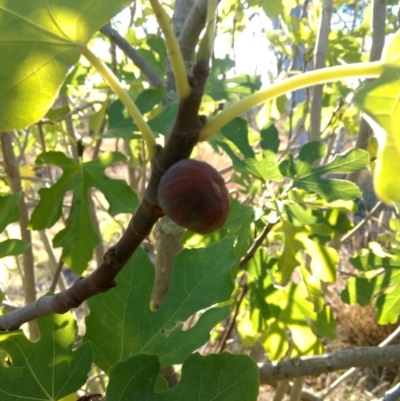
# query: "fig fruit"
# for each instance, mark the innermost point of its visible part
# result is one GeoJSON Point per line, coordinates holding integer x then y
{"type": "Point", "coordinates": [194, 196]}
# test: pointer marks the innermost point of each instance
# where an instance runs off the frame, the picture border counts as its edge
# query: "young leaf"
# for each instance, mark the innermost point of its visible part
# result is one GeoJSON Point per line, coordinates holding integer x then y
{"type": "Point", "coordinates": [50, 38]}
{"type": "Point", "coordinates": [310, 178]}
{"type": "Point", "coordinates": [219, 377]}
{"type": "Point", "coordinates": [47, 369]}
{"type": "Point", "coordinates": [121, 323]}
{"type": "Point", "coordinates": [79, 238]}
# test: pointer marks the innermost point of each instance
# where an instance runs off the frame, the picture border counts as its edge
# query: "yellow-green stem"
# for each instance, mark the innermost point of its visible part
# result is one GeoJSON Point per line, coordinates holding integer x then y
{"type": "Point", "coordinates": [174, 51]}
{"type": "Point", "coordinates": [359, 70]}
{"type": "Point", "coordinates": [206, 47]}
{"type": "Point", "coordinates": [126, 100]}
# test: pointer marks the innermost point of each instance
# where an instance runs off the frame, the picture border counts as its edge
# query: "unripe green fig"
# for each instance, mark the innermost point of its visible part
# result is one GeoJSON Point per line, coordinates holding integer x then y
{"type": "Point", "coordinates": [193, 195]}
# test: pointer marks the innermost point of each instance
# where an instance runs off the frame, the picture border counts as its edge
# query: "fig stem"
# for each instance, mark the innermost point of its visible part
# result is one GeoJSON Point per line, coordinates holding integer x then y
{"type": "Point", "coordinates": [174, 51]}
{"type": "Point", "coordinates": [323, 75]}
{"type": "Point", "coordinates": [126, 100]}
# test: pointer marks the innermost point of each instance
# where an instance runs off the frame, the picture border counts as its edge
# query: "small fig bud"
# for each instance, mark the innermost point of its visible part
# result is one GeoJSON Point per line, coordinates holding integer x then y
{"type": "Point", "coordinates": [194, 196]}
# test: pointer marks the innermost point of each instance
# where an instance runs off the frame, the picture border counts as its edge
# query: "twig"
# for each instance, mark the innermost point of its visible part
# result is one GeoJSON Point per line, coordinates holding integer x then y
{"type": "Point", "coordinates": [249, 255]}
{"type": "Point", "coordinates": [232, 319]}
{"type": "Point", "coordinates": [192, 28]}
{"type": "Point", "coordinates": [392, 395]}
{"type": "Point", "coordinates": [361, 223]}
{"type": "Point", "coordinates": [52, 262]}
{"type": "Point", "coordinates": [257, 243]}
{"type": "Point", "coordinates": [137, 59]}
{"type": "Point", "coordinates": [57, 274]}
{"type": "Point", "coordinates": [296, 390]}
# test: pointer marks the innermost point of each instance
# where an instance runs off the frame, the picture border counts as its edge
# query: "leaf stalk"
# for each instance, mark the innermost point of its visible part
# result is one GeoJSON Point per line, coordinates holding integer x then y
{"type": "Point", "coordinates": [126, 100]}
{"type": "Point", "coordinates": [357, 70]}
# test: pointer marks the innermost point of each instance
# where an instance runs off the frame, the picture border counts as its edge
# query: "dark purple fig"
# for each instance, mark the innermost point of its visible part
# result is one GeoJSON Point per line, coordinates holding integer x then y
{"type": "Point", "coordinates": [194, 196]}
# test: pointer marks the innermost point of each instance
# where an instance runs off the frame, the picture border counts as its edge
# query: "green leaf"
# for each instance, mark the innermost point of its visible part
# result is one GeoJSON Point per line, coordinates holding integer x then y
{"type": "Point", "coordinates": [267, 168]}
{"type": "Point", "coordinates": [272, 8]}
{"type": "Point", "coordinates": [121, 323]}
{"type": "Point", "coordinates": [260, 284]}
{"type": "Point", "coordinates": [237, 132]}
{"type": "Point", "coordinates": [380, 283]}
{"type": "Point", "coordinates": [119, 125]}
{"type": "Point", "coordinates": [359, 290]}
{"type": "Point", "coordinates": [326, 323]}
{"type": "Point", "coordinates": [379, 100]}
{"type": "Point", "coordinates": [9, 211]}
{"type": "Point", "coordinates": [218, 377]}
{"type": "Point", "coordinates": [149, 98]}
{"type": "Point", "coordinates": [366, 260]}
{"type": "Point", "coordinates": [12, 247]}
{"type": "Point", "coordinates": [47, 369]}
{"type": "Point", "coordinates": [238, 223]}
{"type": "Point", "coordinates": [310, 178]}
{"type": "Point", "coordinates": [41, 40]}
{"type": "Point", "coordinates": [288, 261]}
{"type": "Point", "coordinates": [275, 341]}
{"type": "Point", "coordinates": [225, 89]}
{"type": "Point", "coordinates": [297, 239]}
{"type": "Point", "coordinates": [79, 238]}
{"type": "Point", "coordinates": [163, 122]}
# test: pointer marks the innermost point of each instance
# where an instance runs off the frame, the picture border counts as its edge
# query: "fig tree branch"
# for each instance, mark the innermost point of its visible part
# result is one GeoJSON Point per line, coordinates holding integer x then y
{"type": "Point", "coordinates": [192, 28]}
{"type": "Point", "coordinates": [315, 365]}
{"type": "Point", "coordinates": [133, 55]}
{"type": "Point", "coordinates": [180, 143]}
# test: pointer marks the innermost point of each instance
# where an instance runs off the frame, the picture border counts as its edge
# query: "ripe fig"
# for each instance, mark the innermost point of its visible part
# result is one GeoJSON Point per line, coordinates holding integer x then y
{"type": "Point", "coordinates": [194, 196]}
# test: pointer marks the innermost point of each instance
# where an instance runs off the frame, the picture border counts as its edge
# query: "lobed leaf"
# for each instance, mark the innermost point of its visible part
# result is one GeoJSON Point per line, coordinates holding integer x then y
{"type": "Point", "coordinates": [41, 41]}
{"type": "Point", "coordinates": [78, 238]}
{"type": "Point", "coordinates": [310, 178]}
{"type": "Point", "coordinates": [218, 377]}
{"type": "Point", "coordinates": [121, 322]}
{"type": "Point", "coordinates": [47, 369]}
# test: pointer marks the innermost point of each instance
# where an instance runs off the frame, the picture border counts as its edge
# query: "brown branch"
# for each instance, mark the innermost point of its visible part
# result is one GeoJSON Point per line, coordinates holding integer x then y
{"type": "Point", "coordinates": [194, 24]}
{"type": "Point", "coordinates": [388, 356]}
{"type": "Point", "coordinates": [133, 55]}
{"type": "Point", "coordinates": [257, 243]}
{"type": "Point", "coordinates": [180, 143]}
{"type": "Point", "coordinates": [249, 255]}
